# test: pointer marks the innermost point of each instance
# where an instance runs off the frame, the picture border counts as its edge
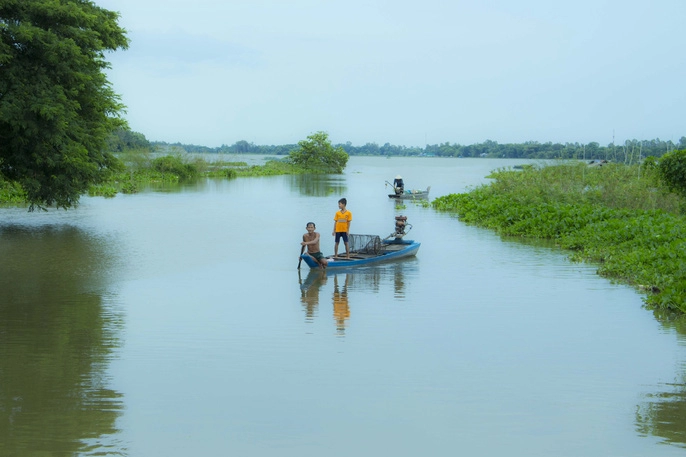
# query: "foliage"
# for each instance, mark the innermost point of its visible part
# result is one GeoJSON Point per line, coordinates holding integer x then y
{"type": "Point", "coordinates": [141, 170]}
{"type": "Point", "coordinates": [630, 152]}
{"type": "Point", "coordinates": [176, 166]}
{"type": "Point", "coordinates": [11, 192]}
{"type": "Point", "coordinates": [639, 241]}
{"type": "Point", "coordinates": [612, 185]}
{"type": "Point", "coordinates": [240, 147]}
{"type": "Point", "coordinates": [56, 105]}
{"type": "Point", "coordinates": [672, 169]}
{"type": "Point", "coordinates": [270, 168]}
{"type": "Point", "coordinates": [106, 191]}
{"type": "Point", "coordinates": [316, 154]}
{"type": "Point", "coordinates": [124, 139]}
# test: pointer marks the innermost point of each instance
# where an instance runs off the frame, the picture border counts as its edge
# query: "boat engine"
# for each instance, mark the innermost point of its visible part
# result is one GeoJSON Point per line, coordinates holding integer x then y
{"type": "Point", "coordinates": [400, 224]}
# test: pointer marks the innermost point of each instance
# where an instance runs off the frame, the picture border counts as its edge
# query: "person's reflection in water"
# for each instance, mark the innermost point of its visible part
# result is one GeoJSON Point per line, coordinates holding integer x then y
{"type": "Point", "coordinates": [309, 291]}
{"type": "Point", "coordinates": [341, 309]}
{"type": "Point", "coordinates": [399, 283]}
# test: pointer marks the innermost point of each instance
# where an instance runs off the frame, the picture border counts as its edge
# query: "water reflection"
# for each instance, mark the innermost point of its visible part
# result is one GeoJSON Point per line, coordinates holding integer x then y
{"type": "Point", "coordinates": [663, 413]}
{"type": "Point", "coordinates": [56, 338]}
{"type": "Point", "coordinates": [341, 307]}
{"type": "Point", "coordinates": [309, 291]}
{"type": "Point", "coordinates": [346, 283]}
{"type": "Point", "coordinates": [319, 185]}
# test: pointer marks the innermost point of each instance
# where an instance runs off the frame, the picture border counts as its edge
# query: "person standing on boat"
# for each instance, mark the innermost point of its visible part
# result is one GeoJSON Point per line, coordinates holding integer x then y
{"type": "Point", "coordinates": [399, 185]}
{"type": "Point", "coordinates": [311, 240]}
{"type": "Point", "coordinates": [341, 226]}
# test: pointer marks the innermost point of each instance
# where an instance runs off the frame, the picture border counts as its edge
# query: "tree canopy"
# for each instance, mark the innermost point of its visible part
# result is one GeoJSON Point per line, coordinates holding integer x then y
{"type": "Point", "coordinates": [672, 167]}
{"type": "Point", "coordinates": [317, 154]}
{"type": "Point", "coordinates": [57, 107]}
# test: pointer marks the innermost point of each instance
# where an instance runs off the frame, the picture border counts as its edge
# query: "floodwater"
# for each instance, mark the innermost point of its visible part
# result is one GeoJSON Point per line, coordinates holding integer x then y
{"type": "Point", "coordinates": [175, 322]}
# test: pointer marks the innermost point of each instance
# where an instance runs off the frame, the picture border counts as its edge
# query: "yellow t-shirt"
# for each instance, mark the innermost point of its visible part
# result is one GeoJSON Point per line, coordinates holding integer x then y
{"type": "Point", "coordinates": [342, 219]}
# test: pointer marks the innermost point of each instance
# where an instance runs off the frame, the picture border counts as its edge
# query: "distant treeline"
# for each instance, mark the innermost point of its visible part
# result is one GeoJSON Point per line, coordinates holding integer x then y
{"type": "Point", "coordinates": [629, 152]}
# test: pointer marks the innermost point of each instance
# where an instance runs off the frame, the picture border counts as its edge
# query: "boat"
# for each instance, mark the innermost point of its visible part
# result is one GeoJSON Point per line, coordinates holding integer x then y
{"type": "Point", "coordinates": [409, 194]}
{"type": "Point", "coordinates": [368, 250]}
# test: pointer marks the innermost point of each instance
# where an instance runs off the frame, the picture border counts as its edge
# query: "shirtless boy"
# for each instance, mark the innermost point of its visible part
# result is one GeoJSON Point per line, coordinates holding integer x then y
{"type": "Point", "coordinates": [311, 240]}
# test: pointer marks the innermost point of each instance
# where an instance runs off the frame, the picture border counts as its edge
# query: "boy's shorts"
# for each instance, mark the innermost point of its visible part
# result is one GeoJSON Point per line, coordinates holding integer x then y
{"type": "Point", "coordinates": [317, 255]}
{"type": "Point", "coordinates": [340, 235]}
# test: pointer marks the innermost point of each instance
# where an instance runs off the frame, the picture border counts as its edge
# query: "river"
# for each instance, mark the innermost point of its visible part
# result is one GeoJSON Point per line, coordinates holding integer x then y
{"type": "Point", "coordinates": [174, 322]}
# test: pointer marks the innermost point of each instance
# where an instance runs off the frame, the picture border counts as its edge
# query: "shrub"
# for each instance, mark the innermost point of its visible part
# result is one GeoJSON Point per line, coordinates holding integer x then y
{"type": "Point", "coordinates": [174, 165]}
{"type": "Point", "coordinates": [672, 168]}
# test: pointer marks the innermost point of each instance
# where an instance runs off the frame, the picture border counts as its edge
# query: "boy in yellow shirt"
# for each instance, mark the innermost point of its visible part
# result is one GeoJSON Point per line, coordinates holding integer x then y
{"type": "Point", "coordinates": [341, 227]}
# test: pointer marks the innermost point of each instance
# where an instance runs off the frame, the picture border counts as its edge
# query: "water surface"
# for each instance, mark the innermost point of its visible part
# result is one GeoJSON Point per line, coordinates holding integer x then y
{"type": "Point", "coordinates": [175, 323]}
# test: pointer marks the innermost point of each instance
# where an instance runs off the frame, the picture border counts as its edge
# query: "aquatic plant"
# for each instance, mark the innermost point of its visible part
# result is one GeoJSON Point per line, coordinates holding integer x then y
{"type": "Point", "coordinates": [627, 223]}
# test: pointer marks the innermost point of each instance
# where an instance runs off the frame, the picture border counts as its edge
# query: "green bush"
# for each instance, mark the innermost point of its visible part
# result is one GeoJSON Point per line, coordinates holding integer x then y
{"type": "Point", "coordinates": [176, 166]}
{"type": "Point", "coordinates": [316, 154]}
{"type": "Point", "coordinates": [102, 191]}
{"type": "Point", "coordinates": [672, 168]}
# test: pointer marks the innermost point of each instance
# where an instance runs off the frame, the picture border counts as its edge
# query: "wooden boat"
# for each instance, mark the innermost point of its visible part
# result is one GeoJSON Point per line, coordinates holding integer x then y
{"type": "Point", "coordinates": [409, 194]}
{"type": "Point", "coordinates": [393, 249]}
{"type": "Point", "coordinates": [368, 250]}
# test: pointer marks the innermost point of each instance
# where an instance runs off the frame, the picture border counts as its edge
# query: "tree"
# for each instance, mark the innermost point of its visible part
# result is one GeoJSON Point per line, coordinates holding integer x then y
{"type": "Point", "coordinates": [123, 139]}
{"type": "Point", "coordinates": [672, 168]}
{"type": "Point", "coordinates": [57, 107]}
{"type": "Point", "coordinates": [317, 154]}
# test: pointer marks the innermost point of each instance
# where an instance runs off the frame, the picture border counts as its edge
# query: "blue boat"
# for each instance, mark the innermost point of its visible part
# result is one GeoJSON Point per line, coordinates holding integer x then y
{"type": "Point", "coordinates": [389, 250]}
{"type": "Point", "coordinates": [368, 250]}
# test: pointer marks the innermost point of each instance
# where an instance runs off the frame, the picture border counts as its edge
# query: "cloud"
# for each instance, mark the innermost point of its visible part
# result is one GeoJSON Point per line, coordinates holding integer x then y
{"type": "Point", "coordinates": [177, 51]}
{"type": "Point", "coordinates": [403, 72]}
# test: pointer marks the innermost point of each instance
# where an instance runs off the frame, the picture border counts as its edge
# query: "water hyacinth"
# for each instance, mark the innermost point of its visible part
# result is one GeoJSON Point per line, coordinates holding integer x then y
{"type": "Point", "coordinates": [620, 217]}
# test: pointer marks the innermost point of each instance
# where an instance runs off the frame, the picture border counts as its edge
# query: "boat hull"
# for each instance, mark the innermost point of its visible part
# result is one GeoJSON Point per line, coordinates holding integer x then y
{"type": "Point", "coordinates": [392, 250]}
{"type": "Point", "coordinates": [410, 195]}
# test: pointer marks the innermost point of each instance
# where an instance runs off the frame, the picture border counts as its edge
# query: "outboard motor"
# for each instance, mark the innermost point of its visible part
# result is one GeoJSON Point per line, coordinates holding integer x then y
{"type": "Point", "coordinates": [400, 224]}
{"type": "Point", "coordinates": [402, 228]}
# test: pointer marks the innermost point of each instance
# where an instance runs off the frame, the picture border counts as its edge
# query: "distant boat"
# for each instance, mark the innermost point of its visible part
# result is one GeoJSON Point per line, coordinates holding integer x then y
{"type": "Point", "coordinates": [411, 194]}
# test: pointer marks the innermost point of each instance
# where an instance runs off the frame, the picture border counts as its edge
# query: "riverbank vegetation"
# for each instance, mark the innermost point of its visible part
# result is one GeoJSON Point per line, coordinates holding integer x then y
{"type": "Point", "coordinates": [136, 166]}
{"type": "Point", "coordinates": [57, 107]}
{"type": "Point", "coordinates": [141, 169]}
{"type": "Point", "coordinates": [629, 151]}
{"type": "Point", "coordinates": [627, 219]}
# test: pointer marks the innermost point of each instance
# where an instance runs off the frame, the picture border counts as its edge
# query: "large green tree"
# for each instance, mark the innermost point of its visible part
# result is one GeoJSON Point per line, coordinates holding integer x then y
{"type": "Point", "coordinates": [57, 107]}
{"type": "Point", "coordinates": [318, 155]}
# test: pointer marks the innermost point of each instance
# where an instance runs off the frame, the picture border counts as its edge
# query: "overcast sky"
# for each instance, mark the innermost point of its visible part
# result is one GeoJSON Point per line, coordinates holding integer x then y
{"type": "Point", "coordinates": [213, 72]}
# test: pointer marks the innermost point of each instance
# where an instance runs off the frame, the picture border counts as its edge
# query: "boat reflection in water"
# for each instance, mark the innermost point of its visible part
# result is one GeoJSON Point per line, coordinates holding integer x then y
{"type": "Point", "coordinates": [344, 285]}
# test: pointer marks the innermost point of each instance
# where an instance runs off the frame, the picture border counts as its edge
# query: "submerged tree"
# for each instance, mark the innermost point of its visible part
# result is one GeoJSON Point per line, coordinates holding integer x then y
{"type": "Point", "coordinates": [57, 107]}
{"type": "Point", "coordinates": [318, 155]}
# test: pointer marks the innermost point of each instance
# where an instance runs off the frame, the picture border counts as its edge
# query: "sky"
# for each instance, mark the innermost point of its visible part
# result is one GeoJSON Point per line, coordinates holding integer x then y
{"type": "Point", "coordinates": [408, 73]}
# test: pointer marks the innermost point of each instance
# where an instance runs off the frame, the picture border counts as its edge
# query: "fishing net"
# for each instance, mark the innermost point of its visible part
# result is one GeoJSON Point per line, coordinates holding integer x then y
{"type": "Point", "coordinates": [365, 244]}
